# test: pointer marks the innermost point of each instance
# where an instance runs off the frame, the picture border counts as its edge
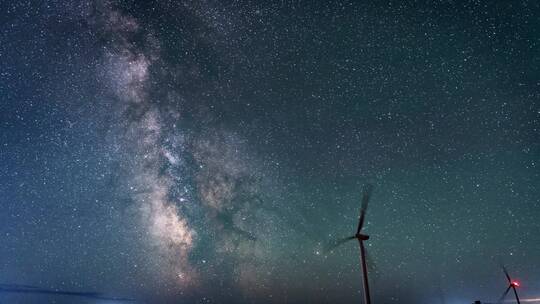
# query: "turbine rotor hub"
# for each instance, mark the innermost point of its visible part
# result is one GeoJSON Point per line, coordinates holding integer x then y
{"type": "Point", "coordinates": [362, 237]}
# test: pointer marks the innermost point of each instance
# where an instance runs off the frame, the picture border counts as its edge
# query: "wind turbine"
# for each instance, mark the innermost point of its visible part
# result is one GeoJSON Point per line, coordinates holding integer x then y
{"type": "Point", "coordinates": [361, 238]}
{"type": "Point", "coordinates": [512, 284]}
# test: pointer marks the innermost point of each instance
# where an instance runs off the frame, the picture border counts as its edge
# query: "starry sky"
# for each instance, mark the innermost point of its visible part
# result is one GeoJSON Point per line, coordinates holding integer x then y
{"type": "Point", "coordinates": [208, 151]}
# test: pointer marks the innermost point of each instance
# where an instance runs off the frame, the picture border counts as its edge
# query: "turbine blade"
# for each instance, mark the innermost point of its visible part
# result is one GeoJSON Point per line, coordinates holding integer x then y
{"type": "Point", "coordinates": [504, 294]}
{"type": "Point", "coordinates": [507, 275]}
{"type": "Point", "coordinates": [333, 245]}
{"type": "Point", "coordinates": [370, 262]}
{"type": "Point", "coordinates": [365, 200]}
{"type": "Point", "coordinates": [515, 292]}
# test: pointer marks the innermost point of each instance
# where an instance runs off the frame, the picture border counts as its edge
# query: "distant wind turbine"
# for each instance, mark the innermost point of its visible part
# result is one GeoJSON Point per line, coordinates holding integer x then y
{"type": "Point", "coordinates": [361, 238]}
{"type": "Point", "coordinates": [512, 284]}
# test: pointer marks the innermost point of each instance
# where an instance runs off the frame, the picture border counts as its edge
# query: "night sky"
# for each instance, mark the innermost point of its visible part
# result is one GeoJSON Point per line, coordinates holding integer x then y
{"type": "Point", "coordinates": [209, 151]}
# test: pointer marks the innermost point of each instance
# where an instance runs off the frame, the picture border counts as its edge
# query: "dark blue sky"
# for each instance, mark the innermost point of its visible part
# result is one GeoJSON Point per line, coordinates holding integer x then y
{"type": "Point", "coordinates": [208, 151]}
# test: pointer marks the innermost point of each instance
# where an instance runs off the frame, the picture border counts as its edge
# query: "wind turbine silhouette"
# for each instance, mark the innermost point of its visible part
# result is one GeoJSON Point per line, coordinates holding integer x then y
{"type": "Point", "coordinates": [361, 238]}
{"type": "Point", "coordinates": [512, 284]}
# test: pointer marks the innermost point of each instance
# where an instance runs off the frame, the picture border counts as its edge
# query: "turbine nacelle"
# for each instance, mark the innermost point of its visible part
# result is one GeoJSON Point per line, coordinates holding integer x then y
{"type": "Point", "coordinates": [363, 237]}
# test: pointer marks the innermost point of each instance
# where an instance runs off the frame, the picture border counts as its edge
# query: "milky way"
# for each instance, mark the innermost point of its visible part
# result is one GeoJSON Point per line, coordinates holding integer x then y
{"type": "Point", "coordinates": [209, 151]}
{"type": "Point", "coordinates": [226, 178]}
